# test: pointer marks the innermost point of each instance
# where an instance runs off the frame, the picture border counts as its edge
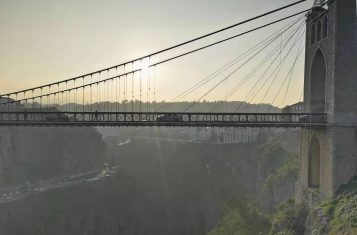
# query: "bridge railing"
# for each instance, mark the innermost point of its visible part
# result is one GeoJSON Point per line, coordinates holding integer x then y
{"type": "Point", "coordinates": [159, 118]}
{"type": "Point", "coordinates": [308, 196]}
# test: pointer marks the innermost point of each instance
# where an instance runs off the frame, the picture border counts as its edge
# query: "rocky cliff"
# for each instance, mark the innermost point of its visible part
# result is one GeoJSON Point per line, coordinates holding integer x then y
{"type": "Point", "coordinates": [162, 186]}
{"type": "Point", "coordinates": [31, 154]}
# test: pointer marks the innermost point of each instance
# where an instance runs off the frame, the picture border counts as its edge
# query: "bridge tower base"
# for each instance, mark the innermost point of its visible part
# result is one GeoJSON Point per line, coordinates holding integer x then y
{"type": "Point", "coordinates": [328, 155]}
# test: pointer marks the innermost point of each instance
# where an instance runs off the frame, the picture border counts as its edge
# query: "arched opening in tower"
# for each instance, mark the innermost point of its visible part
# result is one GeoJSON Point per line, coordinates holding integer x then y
{"type": "Point", "coordinates": [318, 31]}
{"type": "Point", "coordinates": [318, 81]}
{"type": "Point", "coordinates": [325, 27]}
{"type": "Point", "coordinates": [313, 35]}
{"type": "Point", "coordinates": [314, 163]}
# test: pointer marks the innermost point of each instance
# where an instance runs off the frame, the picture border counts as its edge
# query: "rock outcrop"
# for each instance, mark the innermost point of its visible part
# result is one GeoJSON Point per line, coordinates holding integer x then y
{"type": "Point", "coordinates": [36, 153]}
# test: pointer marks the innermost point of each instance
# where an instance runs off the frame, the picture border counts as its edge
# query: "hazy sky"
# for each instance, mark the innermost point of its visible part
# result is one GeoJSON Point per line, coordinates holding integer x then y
{"type": "Point", "coordinates": [43, 41]}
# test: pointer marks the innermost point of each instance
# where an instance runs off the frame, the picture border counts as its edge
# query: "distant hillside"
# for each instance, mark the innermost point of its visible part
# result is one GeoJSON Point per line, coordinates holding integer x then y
{"type": "Point", "coordinates": [205, 106]}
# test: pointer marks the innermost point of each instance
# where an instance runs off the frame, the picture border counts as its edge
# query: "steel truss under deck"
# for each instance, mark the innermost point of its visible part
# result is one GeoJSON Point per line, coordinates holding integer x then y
{"type": "Point", "coordinates": [45, 118]}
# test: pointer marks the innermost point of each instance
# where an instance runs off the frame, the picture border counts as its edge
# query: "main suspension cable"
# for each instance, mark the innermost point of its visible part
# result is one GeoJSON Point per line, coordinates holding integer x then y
{"type": "Point", "coordinates": [226, 77]}
{"type": "Point", "coordinates": [169, 48]}
{"type": "Point", "coordinates": [289, 75]}
{"type": "Point", "coordinates": [280, 65]}
{"type": "Point", "coordinates": [254, 93]}
{"type": "Point", "coordinates": [254, 70]}
{"type": "Point", "coordinates": [227, 66]}
{"type": "Point", "coordinates": [173, 58]}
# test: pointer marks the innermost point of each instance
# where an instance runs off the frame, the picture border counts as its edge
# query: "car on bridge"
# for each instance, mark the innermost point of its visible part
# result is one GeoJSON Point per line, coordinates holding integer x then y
{"type": "Point", "coordinates": [304, 118]}
{"type": "Point", "coordinates": [57, 117]}
{"type": "Point", "coordinates": [169, 118]}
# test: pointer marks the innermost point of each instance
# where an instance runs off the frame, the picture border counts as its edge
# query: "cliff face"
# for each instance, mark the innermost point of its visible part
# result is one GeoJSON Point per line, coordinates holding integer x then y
{"type": "Point", "coordinates": [335, 216]}
{"type": "Point", "coordinates": [242, 216]}
{"type": "Point", "coordinates": [192, 181]}
{"type": "Point", "coordinates": [161, 187]}
{"type": "Point", "coordinates": [276, 174]}
{"type": "Point", "coordinates": [103, 207]}
{"type": "Point", "coordinates": [31, 154]}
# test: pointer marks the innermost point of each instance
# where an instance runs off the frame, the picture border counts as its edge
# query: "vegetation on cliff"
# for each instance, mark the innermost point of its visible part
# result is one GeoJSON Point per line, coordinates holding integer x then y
{"type": "Point", "coordinates": [277, 171]}
{"type": "Point", "coordinates": [289, 220]}
{"type": "Point", "coordinates": [279, 164]}
{"type": "Point", "coordinates": [242, 216]}
{"type": "Point", "coordinates": [287, 171]}
{"type": "Point", "coordinates": [277, 174]}
{"type": "Point", "coordinates": [340, 213]}
{"type": "Point", "coordinates": [334, 217]}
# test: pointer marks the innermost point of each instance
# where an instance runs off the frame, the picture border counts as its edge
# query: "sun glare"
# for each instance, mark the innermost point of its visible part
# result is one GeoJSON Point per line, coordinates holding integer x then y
{"type": "Point", "coordinates": [145, 70]}
{"type": "Point", "coordinates": [144, 67]}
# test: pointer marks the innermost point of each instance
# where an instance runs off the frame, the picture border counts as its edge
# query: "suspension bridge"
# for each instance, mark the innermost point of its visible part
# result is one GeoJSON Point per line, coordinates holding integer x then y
{"type": "Point", "coordinates": [125, 94]}
{"type": "Point", "coordinates": [262, 76]}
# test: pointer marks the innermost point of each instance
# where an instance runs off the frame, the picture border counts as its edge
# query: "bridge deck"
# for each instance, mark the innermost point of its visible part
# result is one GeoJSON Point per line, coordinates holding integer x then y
{"type": "Point", "coordinates": [45, 118]}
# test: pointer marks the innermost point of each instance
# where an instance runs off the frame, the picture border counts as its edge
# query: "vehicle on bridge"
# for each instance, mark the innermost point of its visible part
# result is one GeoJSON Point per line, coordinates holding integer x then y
{"type": "Point", "coordinates": [172, 117]}
{"type": "Point", "coordinates": [57, 117]}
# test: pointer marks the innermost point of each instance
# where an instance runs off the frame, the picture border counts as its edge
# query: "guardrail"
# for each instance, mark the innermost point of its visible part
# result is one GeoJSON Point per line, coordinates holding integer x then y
{"type": "Point", "coordinates": [308, 196]}
{"type": "Point", "coordinates": [161, 119]}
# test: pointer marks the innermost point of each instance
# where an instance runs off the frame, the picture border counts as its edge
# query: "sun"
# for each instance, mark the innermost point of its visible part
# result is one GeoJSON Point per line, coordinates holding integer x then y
{"type": "Point", "coordinates": [145, 68]}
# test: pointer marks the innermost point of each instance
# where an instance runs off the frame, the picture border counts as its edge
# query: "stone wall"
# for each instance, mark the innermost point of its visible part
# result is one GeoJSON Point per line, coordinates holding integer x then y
{"type": "Point", "coordinates": [338, 140]}
{"type": "Point", "coordinates": [325, 159]}
{"type": "Point", "coordinates": [345, 156]}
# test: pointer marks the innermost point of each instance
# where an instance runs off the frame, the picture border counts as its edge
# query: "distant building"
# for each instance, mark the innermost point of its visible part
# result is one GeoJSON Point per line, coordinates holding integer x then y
{"type": "Point", "coordinates": [5, 100]}
{"type": "Point", "coordinates": [294, 108]}
{"type": "Point", "coordinates": [229, 135]}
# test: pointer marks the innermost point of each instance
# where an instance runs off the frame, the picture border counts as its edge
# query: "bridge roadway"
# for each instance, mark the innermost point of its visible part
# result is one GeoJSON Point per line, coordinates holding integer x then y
{"type": "Point", "coordinates": [174, 119]}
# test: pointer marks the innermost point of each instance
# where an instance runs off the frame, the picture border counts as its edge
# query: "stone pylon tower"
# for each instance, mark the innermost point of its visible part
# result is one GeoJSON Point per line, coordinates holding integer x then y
{"type": "Point", "coordinates": [328, 155]}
